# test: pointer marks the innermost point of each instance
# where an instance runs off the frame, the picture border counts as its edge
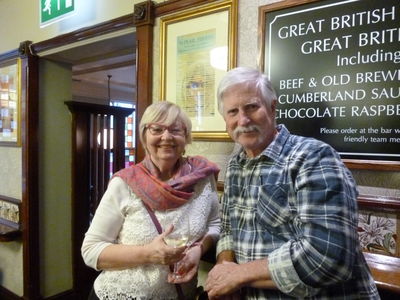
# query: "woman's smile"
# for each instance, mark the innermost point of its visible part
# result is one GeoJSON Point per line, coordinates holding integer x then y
{"type": "Point", "coordinates": [166, 146]}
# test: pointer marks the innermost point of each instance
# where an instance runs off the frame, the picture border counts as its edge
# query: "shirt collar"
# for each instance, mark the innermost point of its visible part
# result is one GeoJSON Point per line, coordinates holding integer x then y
{"type": "Point", "coordinates": [273, 150]}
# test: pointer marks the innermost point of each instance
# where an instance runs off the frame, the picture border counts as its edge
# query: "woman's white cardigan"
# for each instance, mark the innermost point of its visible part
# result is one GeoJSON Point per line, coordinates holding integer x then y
{"type": "Point", "coordinates": [121, 218]}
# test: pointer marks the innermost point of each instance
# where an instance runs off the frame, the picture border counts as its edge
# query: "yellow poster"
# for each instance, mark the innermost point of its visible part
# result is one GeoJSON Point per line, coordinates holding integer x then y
{"type": "Point", "coordinates": [195, 75]}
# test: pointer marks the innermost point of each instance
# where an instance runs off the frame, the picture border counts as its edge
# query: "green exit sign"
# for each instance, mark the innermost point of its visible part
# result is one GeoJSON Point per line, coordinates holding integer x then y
{"type": "Point", "coordinates": [54, 10]}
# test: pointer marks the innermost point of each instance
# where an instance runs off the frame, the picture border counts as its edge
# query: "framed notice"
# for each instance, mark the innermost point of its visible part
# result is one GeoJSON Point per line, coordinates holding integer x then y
{"type": "Point", "coordinates": [197, 48]}
{"type": "Point", "coordinates": [335, 67]}
{"type": "Point", "coordinates": [10, 103]}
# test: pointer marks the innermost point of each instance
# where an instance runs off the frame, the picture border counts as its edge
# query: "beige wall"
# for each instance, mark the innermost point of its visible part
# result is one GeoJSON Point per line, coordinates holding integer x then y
{"type": "Point", "coordinates": [55, 178]}
{"type": "Point", "coordinates": [11, 267]}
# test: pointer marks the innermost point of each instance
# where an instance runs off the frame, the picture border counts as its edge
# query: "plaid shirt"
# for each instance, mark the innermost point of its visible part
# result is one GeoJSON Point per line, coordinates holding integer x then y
{"type": "Point", "coordinates": [295, 203]}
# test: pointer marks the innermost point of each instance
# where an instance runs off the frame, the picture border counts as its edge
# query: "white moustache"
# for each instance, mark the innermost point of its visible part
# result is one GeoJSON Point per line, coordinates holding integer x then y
{"type": "Point", "coordinates": [241, 129]}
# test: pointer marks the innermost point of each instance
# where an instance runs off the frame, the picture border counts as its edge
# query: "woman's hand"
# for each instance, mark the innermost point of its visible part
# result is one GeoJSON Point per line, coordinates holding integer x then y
{"type": "Point", "coordinates": [188, 266]}
{"type": "Point", "coordinates": [161, 253]}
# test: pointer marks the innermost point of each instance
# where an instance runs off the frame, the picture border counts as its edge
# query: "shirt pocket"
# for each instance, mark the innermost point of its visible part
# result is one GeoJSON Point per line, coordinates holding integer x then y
{"type": "Point", "coordinates": [273, 207]}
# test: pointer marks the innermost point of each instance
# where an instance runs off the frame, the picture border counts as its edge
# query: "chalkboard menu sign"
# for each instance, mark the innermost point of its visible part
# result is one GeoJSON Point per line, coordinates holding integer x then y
{"type": "Point", "coordinates": [336, 68]}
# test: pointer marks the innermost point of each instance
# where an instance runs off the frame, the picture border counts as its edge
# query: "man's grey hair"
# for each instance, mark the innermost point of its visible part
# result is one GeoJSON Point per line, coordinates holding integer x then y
{"type": "Point", "coordinates": [250, 76]}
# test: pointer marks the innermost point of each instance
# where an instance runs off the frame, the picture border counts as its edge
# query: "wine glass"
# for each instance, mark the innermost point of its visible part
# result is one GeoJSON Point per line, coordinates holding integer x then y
{"type": "Point", "coordinates": [179, 237]}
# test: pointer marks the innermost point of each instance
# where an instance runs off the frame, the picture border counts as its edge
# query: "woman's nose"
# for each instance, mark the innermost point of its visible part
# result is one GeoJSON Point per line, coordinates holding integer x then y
{"type": "Point", "coordinates": [166, 135]}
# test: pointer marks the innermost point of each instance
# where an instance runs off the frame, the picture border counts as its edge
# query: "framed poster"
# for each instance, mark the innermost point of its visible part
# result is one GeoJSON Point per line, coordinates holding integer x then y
{"type": "Point", "coordinates": [335, 67]}
{"type": "Point", "coordinates": [10, 108]}
{"type": "Point", "coordinates": [197, 48]}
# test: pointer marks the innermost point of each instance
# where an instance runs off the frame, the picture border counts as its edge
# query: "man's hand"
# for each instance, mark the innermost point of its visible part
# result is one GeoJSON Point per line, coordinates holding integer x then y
{"type": "Point", "coordinates": [223, 279]}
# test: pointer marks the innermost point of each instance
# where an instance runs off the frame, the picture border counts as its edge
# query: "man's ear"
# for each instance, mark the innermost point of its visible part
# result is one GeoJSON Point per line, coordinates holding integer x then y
{"type": "Point", "coordinates": [273, 105]}
{"type": "Point", "coordinates": [273, 108]}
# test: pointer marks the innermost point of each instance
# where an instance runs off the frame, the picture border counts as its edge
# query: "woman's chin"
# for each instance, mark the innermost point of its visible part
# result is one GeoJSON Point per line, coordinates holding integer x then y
{"type": "Point", "coordinates": [168, 156]}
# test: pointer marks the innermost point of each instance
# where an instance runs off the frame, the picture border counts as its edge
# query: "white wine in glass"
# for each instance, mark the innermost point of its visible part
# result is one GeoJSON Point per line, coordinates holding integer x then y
{"type": "Point", "coordinates": [179, 237]}
{"type": "Point", "coordinates": [176, 241]}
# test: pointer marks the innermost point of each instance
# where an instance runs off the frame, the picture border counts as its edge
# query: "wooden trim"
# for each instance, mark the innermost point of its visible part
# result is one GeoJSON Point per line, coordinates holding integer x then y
{"type": "Point", "coordinates": [5, 294]}
{"type": "Point", "coordinates": [385, 270]}
{"type": "Point", "coordinates": [144, 72]}
{"type": "Point", "coordinates": [364, 201]}
{"type": "Point", "coordinates": [10, 199]}
{"type": "Point", "coordinates": [13, 54]}
{"type": "Point", "coordinates": [379, 202]}
{"type": "Point", "coordinates": [84, 33]}
{"type": "Point", "coordinates": [75, 106]}
{"type": "Point", "coordinates": [372, 165]}
{"type": "Point", "coordinates": [67, 295]}
{"type": "Point", "coordinates": [10, 226]}
{"type": "Point", "coordinates": [220, 186]}
{"type": "Point", "coordinates": [8, 234]}
{"type": "Point", "coordinates": [105, 67]}
{"type": "Point", "coordinates": [79, 199]}
{"type": "Point", "coordinates": [173, 6]}
{"type": "Point", "coordinates": [30, 171]}
{"type": "Point", "coordinates": [10, 230]}
{"type": "Point", "coordinates": [261, 23]}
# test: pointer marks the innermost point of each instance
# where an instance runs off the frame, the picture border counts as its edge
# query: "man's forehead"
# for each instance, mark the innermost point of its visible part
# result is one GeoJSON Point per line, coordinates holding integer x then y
{"type": "Point", "coordinates": [242, 100]}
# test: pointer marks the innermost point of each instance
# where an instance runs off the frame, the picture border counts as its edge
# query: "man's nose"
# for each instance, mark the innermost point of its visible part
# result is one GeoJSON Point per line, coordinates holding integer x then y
{"type": "Point", "coordinates": [243, 119]}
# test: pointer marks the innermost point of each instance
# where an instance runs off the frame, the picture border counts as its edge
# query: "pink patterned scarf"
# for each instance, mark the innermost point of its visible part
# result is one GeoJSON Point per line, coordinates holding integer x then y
{"type": "Point", "coordinates": [158, 195]}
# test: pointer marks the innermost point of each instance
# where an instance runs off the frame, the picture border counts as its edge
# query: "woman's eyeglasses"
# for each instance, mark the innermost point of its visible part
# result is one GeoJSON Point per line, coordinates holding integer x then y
{"type": "Point", "coordinates": [158, 129]}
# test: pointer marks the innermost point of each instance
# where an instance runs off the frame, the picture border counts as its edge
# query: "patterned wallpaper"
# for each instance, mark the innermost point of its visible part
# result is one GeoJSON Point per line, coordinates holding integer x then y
{"type": "Point", "coordinates": [217, 152]}
{"type": "Point", "coordinates": [10, 172]}
{"type": "Point", "coordinates": [379, 232]}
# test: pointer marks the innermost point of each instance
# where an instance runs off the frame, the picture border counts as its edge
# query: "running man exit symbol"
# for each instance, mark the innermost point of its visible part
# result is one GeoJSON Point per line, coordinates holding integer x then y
{"type": "Point", "coordinates": [54, 10]}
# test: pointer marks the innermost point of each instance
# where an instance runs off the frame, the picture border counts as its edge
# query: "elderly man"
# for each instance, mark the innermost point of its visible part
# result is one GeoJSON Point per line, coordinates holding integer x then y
{"type": "Point", "coordinates": [289, 211]}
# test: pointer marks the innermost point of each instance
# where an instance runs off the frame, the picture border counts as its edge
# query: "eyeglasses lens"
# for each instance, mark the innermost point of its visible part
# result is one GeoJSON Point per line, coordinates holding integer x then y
{"type": "Point", "coordinates": [159, 130]}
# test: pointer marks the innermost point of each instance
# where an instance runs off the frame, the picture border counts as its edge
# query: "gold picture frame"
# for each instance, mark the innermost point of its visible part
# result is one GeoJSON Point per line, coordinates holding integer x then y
{"type": "Point", "coordinates": [197, 48]}
{"type": "Point", "coordinates": [10, 103]}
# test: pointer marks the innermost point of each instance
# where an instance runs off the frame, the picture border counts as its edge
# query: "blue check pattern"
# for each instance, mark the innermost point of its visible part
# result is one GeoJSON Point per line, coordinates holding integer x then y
{"type": "Point", "coordinates": [296, 204]}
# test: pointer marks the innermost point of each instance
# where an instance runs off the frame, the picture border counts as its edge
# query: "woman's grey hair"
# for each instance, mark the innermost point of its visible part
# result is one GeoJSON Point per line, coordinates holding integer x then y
{"type": "Point", "coordinates": [250, 76]}
{"type": "Point", "coordinates": [165, 113]}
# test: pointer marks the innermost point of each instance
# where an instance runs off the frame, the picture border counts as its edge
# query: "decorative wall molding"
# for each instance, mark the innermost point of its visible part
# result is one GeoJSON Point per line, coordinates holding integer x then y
{"type": "Point", "coordinates": [143, 13]}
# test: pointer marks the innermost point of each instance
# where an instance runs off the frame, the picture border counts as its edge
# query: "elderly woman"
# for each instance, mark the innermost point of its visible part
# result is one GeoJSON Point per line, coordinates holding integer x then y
{"type": "Point", "coordinates": [123, 240]}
